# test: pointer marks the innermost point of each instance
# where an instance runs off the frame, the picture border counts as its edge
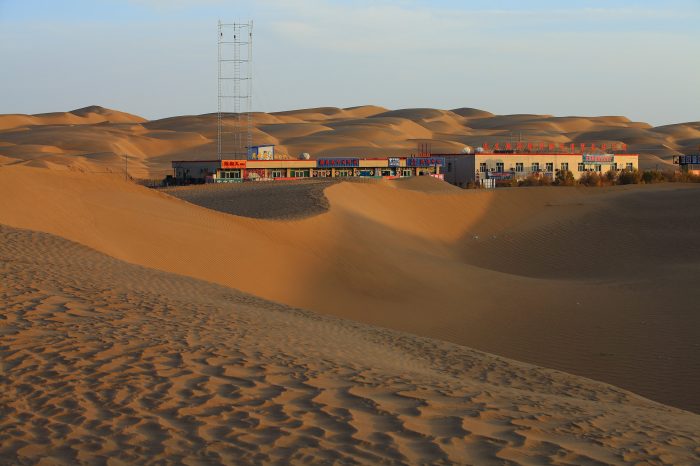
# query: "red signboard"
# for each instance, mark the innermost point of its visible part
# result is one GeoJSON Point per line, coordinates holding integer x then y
{"type": "Point", "coordinates": [233, 164]}
{"type": "Point", "coordinates": [534, 147]}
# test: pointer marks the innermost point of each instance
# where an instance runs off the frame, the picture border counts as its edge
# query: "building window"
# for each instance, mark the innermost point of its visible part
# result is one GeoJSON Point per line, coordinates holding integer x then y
{"type": "Point", "coordinates": [277, 173]}
{"type": "Point", "coordinates": [231, 174]}
{"type": "Point", "coordinates": [536, 167]}
{"type": "Point", "coordinates": [499, 166]}
{"type": "Point", "coordinates": [482, 167]}
{"type": "Point", "coordinates": [449, 166]}
{"type": "Point", "coordinates": [613, 166]}
{"type": "Point", "coordinates": [407, 173]}
{"type": "Point", "coordinates": [581, 167]}
{"type": "Point", "coordinates": [519, 167]}
{"type": "Point", "coordinates": [630, 166]}
{"type": "Point", "coordinates": [565, 166]}
{"type": "Point", "coordinates": [598, 168]}
{"type": "Point", "coordinates": [550, 167]}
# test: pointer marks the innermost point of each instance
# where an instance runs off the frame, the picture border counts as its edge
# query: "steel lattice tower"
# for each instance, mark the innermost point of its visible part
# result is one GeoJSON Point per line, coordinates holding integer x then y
{"type": "Point", "coordinates": [234, 117]}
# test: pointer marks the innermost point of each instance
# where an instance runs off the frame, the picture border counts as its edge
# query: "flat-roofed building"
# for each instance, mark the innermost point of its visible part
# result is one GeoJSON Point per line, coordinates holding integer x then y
{"type": "Point", "coordinates": [466, 169]}
{"type": "Point", "coordinates": [689, 163]}
{"type": "Point", "coordinates": [232, 171]}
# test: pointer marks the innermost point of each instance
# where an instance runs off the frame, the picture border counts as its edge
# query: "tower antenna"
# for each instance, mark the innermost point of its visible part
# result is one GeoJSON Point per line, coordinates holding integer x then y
{"type": "Point", "coordinates": [235, 90]}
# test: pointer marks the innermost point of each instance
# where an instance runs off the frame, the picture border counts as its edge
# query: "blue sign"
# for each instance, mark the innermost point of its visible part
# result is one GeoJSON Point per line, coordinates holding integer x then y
{"type": "Point", "coordinates": [338, 163]}
{"type": "Point", "coordinates": [394, 161]}
{"type": "Point", "coordinates": [425, 161]}
{"type": "Point", "coordinates": [689, 159]}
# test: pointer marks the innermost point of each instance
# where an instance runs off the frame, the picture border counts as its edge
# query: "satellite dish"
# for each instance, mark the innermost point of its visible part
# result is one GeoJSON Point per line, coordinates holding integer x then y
{"type": "Point", "coordinates": [305, 156]}
{"type": "Point", "coordinates": [479, 150]}
{"type": "Point", "coordinates": [468, 150]}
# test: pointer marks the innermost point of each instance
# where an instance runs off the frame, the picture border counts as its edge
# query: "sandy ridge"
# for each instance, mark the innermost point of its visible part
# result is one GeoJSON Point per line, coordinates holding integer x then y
{"type": "Point", "coordinates": [96, 139]}
{"type": "Point", "coordinates": [383, 256]}
{"type": "Point", "coordinates": [102, 359]}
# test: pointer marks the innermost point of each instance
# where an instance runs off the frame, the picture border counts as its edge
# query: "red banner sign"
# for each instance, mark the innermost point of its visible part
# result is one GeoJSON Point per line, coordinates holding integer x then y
{"type": "Point", "coordinates": [553, 146]}
{"type": "Point", "coordinates": [233, 164]}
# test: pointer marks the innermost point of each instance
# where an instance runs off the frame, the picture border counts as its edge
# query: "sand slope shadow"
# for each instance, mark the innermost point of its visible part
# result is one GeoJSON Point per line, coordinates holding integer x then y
{"type": "Point", "coordinates": [106, 360]}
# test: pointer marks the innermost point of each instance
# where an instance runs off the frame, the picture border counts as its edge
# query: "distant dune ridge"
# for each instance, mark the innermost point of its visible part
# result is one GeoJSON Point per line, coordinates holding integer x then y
{"type": "Point", "coordinates": [95, 138]}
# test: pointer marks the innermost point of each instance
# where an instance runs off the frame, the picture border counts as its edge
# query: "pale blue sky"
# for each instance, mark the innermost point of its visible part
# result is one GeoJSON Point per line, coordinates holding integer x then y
{"type": "Point", "coordinates": [157, 58]}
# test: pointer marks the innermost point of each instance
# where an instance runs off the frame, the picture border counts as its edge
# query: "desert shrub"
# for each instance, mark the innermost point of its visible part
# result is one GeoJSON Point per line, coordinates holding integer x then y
{"type": "Point", "coordinates": [662, 176]}
{"type": "Point", "coordinates": [535, 179]}
{"type": "Point", "coordinates": [529, 180]}
{"type": "Point", "coordinates": [677, 177]}
{"type": "Point", "coordinates": [610, 177]}
{"type": "Point", "coordinates": [653, 176]}
{"type": "Point", "coordinates": [629, 177]}
{"type": "Point", "coordinates": [682, 177]}
{"type": "Point", "coordinates": [506, 183]}
{"type": "Point", "coordinates": [591, 178]}
{"type": "Point", "coordinates": [564, 178]}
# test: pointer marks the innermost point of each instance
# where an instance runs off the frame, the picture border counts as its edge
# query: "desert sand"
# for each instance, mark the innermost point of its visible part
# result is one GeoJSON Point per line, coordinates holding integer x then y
{"type": "Point", "coordinates": [592, 282]}
{"type": "Point", "coordinates": [141, 327]}
{"type": "Point", "coordinates": [401, 321]}
{"type": "Point", "coordinates": [104, 362]}
{"type": "Point", "coordinates": [95, 138]}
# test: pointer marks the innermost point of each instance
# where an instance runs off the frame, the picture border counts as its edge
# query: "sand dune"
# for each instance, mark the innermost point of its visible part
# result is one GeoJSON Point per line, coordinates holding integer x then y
{"type": "Point", "coordinates": [471, 112]}
{"type": "Point", "coordinates": [140, 327]}
{"type": "Point", "coordinates": [82, 116]}
{"type": "Point", "coordinates": [331, 113]}
{"type": "Point", "coordinates": [368, 131]}
{"type": "Point", "coordinates": [383, 255]}
{"type": "Point", "coordinates": [103, 361]}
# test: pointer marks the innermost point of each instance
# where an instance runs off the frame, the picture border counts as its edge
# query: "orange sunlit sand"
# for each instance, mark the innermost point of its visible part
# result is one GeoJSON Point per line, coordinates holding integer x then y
{"type": "Point", "coordinates": [97, 139]}
{"type": "Point", "coordinates": [130, 316]}
{"type": "Point", "coordinates": [483, 251]}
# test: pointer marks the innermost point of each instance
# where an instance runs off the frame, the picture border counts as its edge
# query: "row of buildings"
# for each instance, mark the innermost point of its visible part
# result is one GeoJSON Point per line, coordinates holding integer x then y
{"type": "Point", "coordinates": [458, 169]}
{"type": "Point", "coordinates": [231, 171]}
